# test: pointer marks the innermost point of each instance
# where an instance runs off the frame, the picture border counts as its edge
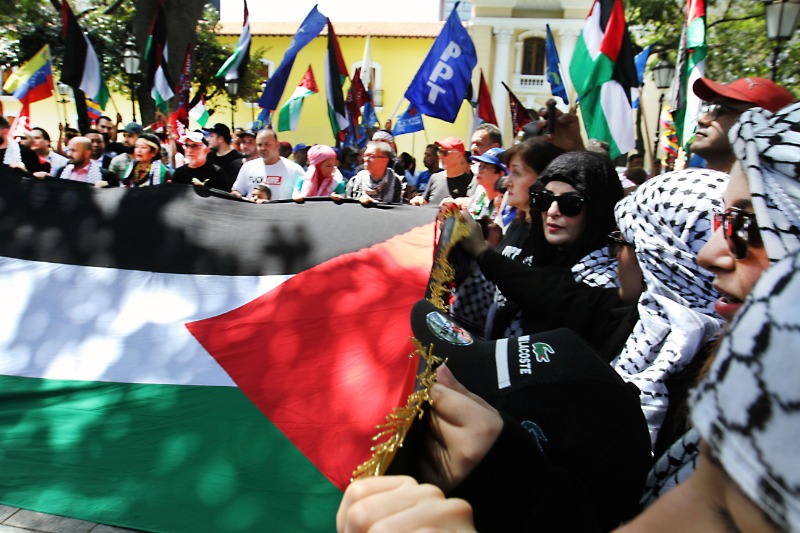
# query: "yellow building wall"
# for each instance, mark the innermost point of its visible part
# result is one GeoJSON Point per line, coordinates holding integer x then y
{"type": "Point", "coordinates": [400, 59]}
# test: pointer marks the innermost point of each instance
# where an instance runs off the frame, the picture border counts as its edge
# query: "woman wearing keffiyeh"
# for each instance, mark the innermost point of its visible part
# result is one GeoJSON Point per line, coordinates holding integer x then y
{"type": "Point", "coordinates": [760, 225]}
{"type": "Point", "coordinates": [322, 177]}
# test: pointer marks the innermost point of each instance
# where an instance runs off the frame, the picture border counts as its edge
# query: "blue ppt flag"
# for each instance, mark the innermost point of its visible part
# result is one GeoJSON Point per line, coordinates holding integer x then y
{"type": "Point", "coordinates": [408, 122]}
{"type": "Point", "coordinates": [554, 77]}
{"type": "Point", "coordinates": [439, 86]}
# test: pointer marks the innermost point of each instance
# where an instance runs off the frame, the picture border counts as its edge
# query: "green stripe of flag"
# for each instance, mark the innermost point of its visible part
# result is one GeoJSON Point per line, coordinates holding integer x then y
{"type": "Point", "coordinates": [208, 451]}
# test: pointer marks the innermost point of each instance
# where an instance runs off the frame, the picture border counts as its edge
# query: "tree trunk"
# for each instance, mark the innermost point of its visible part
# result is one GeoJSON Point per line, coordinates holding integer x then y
{"type": "Point", "coordinates": [182, 17]}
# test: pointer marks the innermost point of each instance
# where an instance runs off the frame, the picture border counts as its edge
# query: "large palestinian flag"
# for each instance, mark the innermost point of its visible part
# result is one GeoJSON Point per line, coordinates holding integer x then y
{"type": "Point", "coordinates": [176, 361]}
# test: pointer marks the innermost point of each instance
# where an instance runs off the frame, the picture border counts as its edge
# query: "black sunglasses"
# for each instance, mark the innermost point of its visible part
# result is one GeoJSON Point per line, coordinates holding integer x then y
{"type": "Point", "coordinates": [740, 230]}
{"type": "Point", "coordinates": [615, 242]}
{"type": "Point", "coordinates": [569, 205]}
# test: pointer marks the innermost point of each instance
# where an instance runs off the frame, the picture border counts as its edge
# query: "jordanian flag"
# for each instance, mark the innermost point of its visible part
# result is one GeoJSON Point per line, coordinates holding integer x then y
{"type": "Point", "coordinates": [236, 65]}
{"type": "Point", "coordinates": [157, 55]}
{"type": "Point", "coordinates": [690, 67]}
{"type": "Point", "coordinates": [164, 372]}
{"type": "Point", "coordinates": [289, 115]}
{"type": "Point", "coordinates": [603, 73]}
{"type": "Point", "coordinates": [81, 67]}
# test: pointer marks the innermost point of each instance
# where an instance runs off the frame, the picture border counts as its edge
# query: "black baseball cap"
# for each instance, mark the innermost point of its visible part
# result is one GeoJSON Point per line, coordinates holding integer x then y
{"type": "Point", "coordinates": [590, 418]}
{"type": "Point", "coordinates": [222, 130]}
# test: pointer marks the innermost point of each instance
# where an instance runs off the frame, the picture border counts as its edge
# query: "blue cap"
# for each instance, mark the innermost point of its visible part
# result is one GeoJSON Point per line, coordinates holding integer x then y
{"type": "Point", "coordinates": [491, 156]}
{"type": "Point", "coordinates": [298, 147]}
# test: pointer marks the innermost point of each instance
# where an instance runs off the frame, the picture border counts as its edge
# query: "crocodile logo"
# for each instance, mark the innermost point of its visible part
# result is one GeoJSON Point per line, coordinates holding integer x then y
{"type": "Point", "coordinates": [542, 351]}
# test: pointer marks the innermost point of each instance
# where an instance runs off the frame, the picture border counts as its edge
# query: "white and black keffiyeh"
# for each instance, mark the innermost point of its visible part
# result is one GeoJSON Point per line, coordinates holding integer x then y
{"type": "Point", "coordinates": [596, 269]}
{"type": "Point", "coordinates": [668, 219]}
{"type": "Point", "coordinates": [748, 406]}
{"type": "Point", "coordinates": [768, 146]}
{"type": "Point", "coordinates": [673, 467]}
{"type": "Point", "coordinates": [13, 153]}
{"type": "Point", "coordinates": [93, 176]}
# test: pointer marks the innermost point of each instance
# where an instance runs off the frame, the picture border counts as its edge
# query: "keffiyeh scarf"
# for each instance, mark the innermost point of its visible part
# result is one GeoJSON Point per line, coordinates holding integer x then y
{"type": "Point", "coordinates": [13, 153]}
{"type": "Point", "coordinates": [92, 177]}
{"type": "Point", "coordinates": [668, 219]}
{"type": "Point", "coordinates": [748, 407]}
{"type": "Point", "coordinates": [768, 146]}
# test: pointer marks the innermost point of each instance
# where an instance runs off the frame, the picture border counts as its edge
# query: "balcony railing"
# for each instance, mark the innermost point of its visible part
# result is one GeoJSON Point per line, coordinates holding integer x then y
{"type": "Point", "coordinates": [530, 83]}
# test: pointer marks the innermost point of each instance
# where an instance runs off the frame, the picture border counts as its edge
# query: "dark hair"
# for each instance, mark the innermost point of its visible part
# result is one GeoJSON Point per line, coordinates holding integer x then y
{"type": "Point", "coordinates": [92, 130]}
{"type": "Point", "coordinates": [4, 122]}
{"type": "Point", "coordinates": [101, 117]}
{"type": "Point", "coordinates": [45, 135]}
{"type": "Point", "coordinates": [495, 135]}
{"type": "Point", "coordinates": [155, 140]}
{"type": "Point", "coordinates": [535, 153]}
{"type": "Point", "coordinates": [595, 178]}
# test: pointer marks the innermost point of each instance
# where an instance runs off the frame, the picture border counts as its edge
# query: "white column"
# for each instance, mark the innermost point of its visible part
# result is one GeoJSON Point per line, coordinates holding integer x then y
{"type": "Point", "coordinates": [518, 48]}
{"type": "Point", "coordinates": [502, 62]}
{"type": "Point", "coordinates": [567, 39]}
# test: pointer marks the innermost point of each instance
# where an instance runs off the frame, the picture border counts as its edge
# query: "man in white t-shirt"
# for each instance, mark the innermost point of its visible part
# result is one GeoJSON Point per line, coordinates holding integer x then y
{"type": "Point", "coordinates": [278, 173]}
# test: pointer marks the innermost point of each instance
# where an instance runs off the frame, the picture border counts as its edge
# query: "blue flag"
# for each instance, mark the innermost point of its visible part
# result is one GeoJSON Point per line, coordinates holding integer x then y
{"type": "Point", "coordinates": [640, 61]}
{"type": "Point", "coordinates": [408, 122]}
{"type": "Point", "coordinates": [554, 77]}
{"type": "Point", "coordinates": [310, 28]}
{"type": "Point", "coordinates": [262, 120]}
{"type": "Point", "coordinates": [439, 86]}
{"type": "Point", "coordinates": [369, 116]}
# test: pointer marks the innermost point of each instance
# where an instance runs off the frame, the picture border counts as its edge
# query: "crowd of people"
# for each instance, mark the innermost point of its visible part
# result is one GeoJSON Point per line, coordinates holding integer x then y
{"type": "Point", "coordinates": [683, 283]}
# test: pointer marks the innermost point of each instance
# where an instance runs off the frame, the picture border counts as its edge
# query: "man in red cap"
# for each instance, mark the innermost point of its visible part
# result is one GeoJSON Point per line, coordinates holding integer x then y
{"type": "Point", "coordinates": [455, 181]}
{"type": "Point", "coordinates": [722, 105]}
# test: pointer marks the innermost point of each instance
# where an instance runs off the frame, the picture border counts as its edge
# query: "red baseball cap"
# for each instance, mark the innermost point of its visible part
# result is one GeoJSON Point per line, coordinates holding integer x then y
{"type": "Point", "coordinates": [760, 92]}
{"type": "Point", "coordinates": [452, 143]}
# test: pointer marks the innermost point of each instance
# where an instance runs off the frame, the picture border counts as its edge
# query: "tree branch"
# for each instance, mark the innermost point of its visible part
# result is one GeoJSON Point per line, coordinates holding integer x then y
{"type": "Point", "coordinates": [726, 20]}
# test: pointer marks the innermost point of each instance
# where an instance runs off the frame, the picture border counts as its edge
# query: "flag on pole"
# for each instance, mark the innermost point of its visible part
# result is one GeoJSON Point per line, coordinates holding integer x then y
{"type": "Point", "coordinates": [310, 27]}
{"type": "Point", "coordinates": [81, 67]}
{"type": "Point", "coordinates": [484, 108]}
{"type": "Point", "coordinates": [335, 74]}
{"type": "Point", "coordinates": [689, 67]}
{"type": "Point", "coordinates": [23, 120]}
{"type": "Point", "coordinates": [369, 116]}
{"type": "Point", "coordinates": [199, 113]}
{"type": "Point", "coordinates": [604, 75]}
{"type": "Point", "coordinates": [289, 115]}
{"type": "Point", "coordinates": [356, 96]}
{"type": "Point", "coordinates": [183, 89]}
{"type": "Point", "coordinates": [33, 81]}
{"type": "Point", "coordinates": [409, 122]}
{"type": "Point", "coordinates": [519, 113]}
{"type": "Point", "coordinates": [157, 55]}
{"type": "Point", "coordinates": [554, 75]}
{"type": "Point", "coordinates": [441, 82]}
{"type": "Point", "coordinates": [161, 405]}
{"type": "Point", "coordinates": [640, 61]}
{"type": "Point", "coordinates": [93, 109]}
{"type": "Point", "coordinates": [236, 65]}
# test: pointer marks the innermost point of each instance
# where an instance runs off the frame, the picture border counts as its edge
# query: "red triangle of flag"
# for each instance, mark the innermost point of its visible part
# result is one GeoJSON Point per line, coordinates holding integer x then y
{"type": "Point", "coordinates": [325, 355]}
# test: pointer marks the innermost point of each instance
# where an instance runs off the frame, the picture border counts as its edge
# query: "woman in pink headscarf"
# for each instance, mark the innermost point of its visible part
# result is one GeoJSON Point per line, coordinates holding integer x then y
{"type": "Point", "coordinates": [322, 177]}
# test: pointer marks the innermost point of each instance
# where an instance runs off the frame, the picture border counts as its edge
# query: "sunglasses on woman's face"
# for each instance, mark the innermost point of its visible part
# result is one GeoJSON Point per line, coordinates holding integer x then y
{"type": "Point", "coordinates": [569, 205]}
{"type": "Point", "coordinates": [616, 241]}
{"type": "Point", "coordinates": [740, 230]}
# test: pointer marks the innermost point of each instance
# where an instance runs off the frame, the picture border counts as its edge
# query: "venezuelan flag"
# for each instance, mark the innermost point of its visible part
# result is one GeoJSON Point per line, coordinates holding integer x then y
{"type": "Point", "coordinates": [33, 81]}
{"type": "Point", "coordinates": [93, 108]}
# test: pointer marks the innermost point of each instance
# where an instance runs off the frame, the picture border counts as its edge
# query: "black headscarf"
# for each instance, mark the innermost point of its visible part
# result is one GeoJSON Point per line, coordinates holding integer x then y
{"type": "Point", "coordinates": [595, 178]}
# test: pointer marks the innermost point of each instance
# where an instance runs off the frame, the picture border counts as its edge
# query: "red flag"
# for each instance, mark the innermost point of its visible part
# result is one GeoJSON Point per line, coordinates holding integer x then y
{"type": "Point", "coordinates": [182, 89]}
{"type": "Point", "coordinates": [485, 107]}
{"type": "Point", "coordinates": [519, 114]}
{"type": "Point", "coordinates": [356, 96]}
{"type": "Point", "coordinates": [23, 120]}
